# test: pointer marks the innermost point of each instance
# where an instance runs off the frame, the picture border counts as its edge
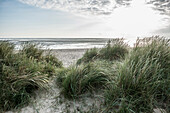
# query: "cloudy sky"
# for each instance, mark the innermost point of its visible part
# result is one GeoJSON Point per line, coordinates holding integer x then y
{"type": "Point", "coordinates": [84, 18]}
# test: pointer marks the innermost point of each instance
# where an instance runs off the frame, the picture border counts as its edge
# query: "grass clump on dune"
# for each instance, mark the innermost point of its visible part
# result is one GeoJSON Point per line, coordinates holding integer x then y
{"type": "Point", "coordinates": [20, 74]}
{"type": "Point", "coordinates": [50, 61]}
{"type": "Point", "coordinates": [53, 61]}
{"type": "Point", "coordinates": [89, 56]}
{"type": "Point", "coordinates": [142, 79]}
{"type": "Point", "coordinates": [32, 50]}
{"type": "Point", "coordinates": [51, 64]}
{"type": "Point", "coordinates": [115, 49]}
{"type": "Point", "coordinates": [79, 79]}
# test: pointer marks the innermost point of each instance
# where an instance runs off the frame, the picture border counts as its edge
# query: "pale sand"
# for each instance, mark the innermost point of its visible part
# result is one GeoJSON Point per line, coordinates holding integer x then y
{"type": "Point", "coordinates": [68, 56]}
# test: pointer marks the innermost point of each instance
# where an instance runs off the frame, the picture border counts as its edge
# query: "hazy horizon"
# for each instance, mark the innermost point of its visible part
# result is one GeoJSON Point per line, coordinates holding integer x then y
{"type": "Point", "coordinates": [84, 18]}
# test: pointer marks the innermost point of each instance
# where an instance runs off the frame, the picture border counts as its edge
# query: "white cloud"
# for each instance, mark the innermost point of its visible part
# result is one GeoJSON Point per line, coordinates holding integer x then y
{"type": "Point", "coordinates": [137, 20]}
{"type": "Point", "coordinates": [94, 7]}
{"type": "Point", "coordinates": [161, 5]}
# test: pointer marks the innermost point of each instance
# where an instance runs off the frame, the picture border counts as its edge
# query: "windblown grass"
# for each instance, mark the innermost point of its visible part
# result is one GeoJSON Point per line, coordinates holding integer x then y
{"type": "Point", "coordinates": [143, 78]}
{"type": "Point", "coordinates": [53, 60]}
{"type": "Point", "coordinates": [115, 49]}
{"type": "Point", "coordinates": [138, 83]}
{"type": "Point", "coordinates": [89, 56]}
{"type": "Point", "coordinates": [32, 50]}
{"type": "Point", "coordinates": [79, 79]}
{"type": "Point", "coordinates": [21, 73]}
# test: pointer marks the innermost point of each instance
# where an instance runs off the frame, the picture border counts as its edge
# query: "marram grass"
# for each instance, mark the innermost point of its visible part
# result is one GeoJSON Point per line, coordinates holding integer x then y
{"type": "Point", "coordinates": [134, 81]}
{"type": "Point", "coordinates": [115, 49]}
{"type": "Point", "coordinates": [143, 78]}
{"type": "Point", "coordinates": [85, 77]}
{"type": "Point", "coordinates": [21, 73]}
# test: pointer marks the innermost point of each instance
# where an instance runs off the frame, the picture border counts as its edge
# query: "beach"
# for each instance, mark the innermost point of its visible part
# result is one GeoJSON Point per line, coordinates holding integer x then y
{"type": "Point", "coordinates": [84, 56]}
{"type": "Point", "coordinates": [90, 85]}
{"type": "Point", "coordinates": [68, 56]}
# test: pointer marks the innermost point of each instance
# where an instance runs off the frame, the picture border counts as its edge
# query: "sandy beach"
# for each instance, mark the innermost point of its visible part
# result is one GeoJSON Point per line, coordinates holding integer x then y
{"type": "Point", "coordinates": [68, 56]}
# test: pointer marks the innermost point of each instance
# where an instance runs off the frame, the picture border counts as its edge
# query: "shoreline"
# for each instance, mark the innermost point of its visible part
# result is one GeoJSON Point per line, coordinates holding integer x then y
{"type": "Point", "coordinates": [68, 49]}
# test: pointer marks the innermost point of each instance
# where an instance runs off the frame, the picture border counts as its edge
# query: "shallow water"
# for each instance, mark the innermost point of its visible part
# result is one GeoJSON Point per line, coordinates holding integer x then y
{"type": "Point", "coordinates": [59, 43]}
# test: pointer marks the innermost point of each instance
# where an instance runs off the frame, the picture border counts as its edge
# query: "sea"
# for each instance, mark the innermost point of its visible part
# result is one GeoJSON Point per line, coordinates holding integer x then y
{"type": "Point", "coordinates": [59, 43]}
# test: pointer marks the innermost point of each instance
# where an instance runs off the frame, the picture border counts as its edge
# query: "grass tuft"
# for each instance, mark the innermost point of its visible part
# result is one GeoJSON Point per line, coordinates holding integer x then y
{"type": "Point", "coordinates": [79, 79]}
{"type": "Point", "coordinates": [89, 56]}
{"type": "Point", "coordinates": [32, 50]}
{"type": "Point", "coordinates": [21, 73]}
{"type": "Point", "coordinates": [143, 78]}
{"type": "Point", "coordinates": [116, 49]}
{"type": "Point", "coordinates": [53, 61]}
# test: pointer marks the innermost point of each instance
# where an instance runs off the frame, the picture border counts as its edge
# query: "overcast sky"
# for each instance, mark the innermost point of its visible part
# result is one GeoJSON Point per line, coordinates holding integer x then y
{"type": "Point", "coordinates": [84, 18]}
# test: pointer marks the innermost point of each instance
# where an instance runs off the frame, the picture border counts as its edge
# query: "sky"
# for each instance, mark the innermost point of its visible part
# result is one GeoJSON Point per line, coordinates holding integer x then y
{"type": "Point", "coordinates": [84, 18]}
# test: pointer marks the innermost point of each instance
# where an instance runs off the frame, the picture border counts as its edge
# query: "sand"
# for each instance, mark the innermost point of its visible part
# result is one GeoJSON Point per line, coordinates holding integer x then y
{"type": "Point", "coordinates": [68, 56]}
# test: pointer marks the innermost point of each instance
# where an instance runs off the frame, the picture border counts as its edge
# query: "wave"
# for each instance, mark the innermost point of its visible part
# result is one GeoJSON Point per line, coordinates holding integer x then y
{"type": "Point", "coordinates": [59, 43]}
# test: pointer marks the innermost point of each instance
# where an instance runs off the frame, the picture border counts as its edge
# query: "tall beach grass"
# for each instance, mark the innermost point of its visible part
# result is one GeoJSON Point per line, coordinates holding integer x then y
{"type": "Point", "coordinates": [134, 81]}
{"type": "Point", "coordinates": [23, 72]}
{"type": "Point", "coordinates": [77, 80]}
{"type": "Point", "coordinates": [115, 49]}
{"type": "Point", "coordinates": [143, 78]}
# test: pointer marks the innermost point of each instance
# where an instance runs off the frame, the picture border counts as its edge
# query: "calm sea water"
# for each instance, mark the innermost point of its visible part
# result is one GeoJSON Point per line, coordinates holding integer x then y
{"type": "Point", "coordinates": [60, 43]}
